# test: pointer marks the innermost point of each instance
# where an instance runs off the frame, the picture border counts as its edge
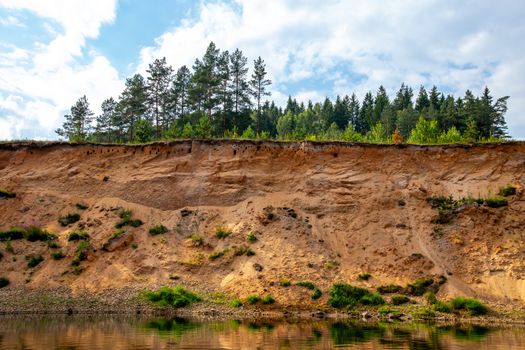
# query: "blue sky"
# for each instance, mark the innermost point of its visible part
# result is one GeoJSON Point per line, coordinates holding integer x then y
{"type": "Point", "coordinates": [54, 51]}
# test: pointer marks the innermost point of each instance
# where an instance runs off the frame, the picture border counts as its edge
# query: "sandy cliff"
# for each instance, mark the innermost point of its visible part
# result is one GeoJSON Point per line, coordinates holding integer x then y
{"type": "Point", "coordinates": [321, 212]}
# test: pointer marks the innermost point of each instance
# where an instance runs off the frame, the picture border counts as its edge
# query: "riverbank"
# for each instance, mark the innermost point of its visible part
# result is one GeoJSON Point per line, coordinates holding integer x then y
{"type": "Point", "coordinates": [129, 302]}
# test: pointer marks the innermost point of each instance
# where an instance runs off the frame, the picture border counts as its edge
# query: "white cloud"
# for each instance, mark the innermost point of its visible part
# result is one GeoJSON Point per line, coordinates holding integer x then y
{"type": "Point", "coordinates": [460, 46]}
{"type": "Point", "coordinates": [11, 21]}
{"type": "Point", "coordinates": [41, 83]}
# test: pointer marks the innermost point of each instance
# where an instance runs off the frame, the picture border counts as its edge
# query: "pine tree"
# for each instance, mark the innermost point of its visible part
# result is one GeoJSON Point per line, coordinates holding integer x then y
{"type": "Point", "coordinates": [159, 79]}
{"type": "Point", "coordinates": [340, 113]}
{"type": "Point", "coordinates": [132, 105]}
{"type": "Point", "coordinates": [105, 121]}
{"type": "Point", "coordinates": [223, 93]}
{"type": "Point", "coordinates": [178, 101]}
{"type": "Point", "coordinates": [354, 115]}
{"type": "Point", "coordinates": [367, 113]}
{"type": "Point", "coordinates": [77, 124]}
{"type": "Point", "coordinates": [422, 101]}
{"type": "Point", "coordinates": [259, 84]}
{"type": "Point", "coordinates": [205, 82]}
{"type": "Point", "coordinates": [380, 103]}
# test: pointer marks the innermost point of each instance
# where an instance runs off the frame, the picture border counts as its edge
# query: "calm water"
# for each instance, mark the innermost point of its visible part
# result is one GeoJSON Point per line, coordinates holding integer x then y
{"type": "Point", "coordinates": [61, 332]}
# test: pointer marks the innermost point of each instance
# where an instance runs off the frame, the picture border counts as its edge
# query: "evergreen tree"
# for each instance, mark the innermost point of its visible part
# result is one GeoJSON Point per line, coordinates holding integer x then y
{"type": "Point", "coordinates": [178, 101]}
{"type": "Point", "coordinates": [132, 105]}
{"type": "Point", "coordinates": [205, 82]}
{"type": "Point", "coordinates": [422, 101]}
{"type": "Point", "coordinates": [367, 113]}
{"type": "Point", "coordinates": [354, 115]}
{"type": "Point", "coordinates": [340, 113]}
{"type": "Point", "coordinates": [224, 94]}
{"type": "Point", "coordinates": [78, 123]}
{"type": "Point", "coordinates": [106, 121]}
{"type": "Point", "coordinates": [380, 103]}
{"type": "Point", "coordinates": [159, 79]}
{"type": "Point", "coordinates": [259, 85]}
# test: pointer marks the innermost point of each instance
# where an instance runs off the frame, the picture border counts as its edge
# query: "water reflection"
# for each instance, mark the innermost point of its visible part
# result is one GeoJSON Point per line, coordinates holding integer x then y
{"type": "Point", "coordinates": [63, 332]}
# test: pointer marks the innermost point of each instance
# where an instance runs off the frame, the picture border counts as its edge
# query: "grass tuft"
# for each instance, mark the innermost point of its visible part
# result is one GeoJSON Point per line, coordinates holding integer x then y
{"type": "Point", "coordinates": [176, 297]}
{"type": "Point", "coordinates": [69, 219]}
{"type": "Point", "coordinates": [222, 232]}
{"type": "Point", "coordinates": [158, 230]}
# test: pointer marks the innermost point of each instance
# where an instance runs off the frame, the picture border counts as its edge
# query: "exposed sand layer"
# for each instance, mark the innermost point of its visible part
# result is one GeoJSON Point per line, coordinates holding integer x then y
{"type": "Point", "coordinates": [320, 212]}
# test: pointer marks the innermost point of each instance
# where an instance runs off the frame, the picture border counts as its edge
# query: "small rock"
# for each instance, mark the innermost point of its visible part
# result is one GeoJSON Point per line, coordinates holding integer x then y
{"type": "Point", "coordinates": [257, 267]}
{"type": "Point", "coordinates": [105, 178]}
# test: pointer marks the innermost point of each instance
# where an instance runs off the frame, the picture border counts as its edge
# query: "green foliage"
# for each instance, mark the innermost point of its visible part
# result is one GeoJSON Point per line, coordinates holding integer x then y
{"type": "Point", "coordinates": [158, 230]}
{"type": "Point", "coordinates": [507, 191]}
{"type": "Point", "coordinates": [452, 135]}
{"type": "Point", "coordinates": [33, 234]}
{"type": "Point", "coordinates": [6, 194]}
{"type": "Point", "coordinates": [198, 240]}
{"type": "Point", "coordinates": [81, 206]}
{"type": "Point", "coordinates": [316, 294]}
{"type": "Point", "coordinates": [243, 250]}
{"type": "Point", "coordinates": [344, 295]}
{"type": "Point", "coordinates": [81, 253]}
{"type": "Point", "coordinates": [144, 131]}
{"type": "Point", "coordinates": [377, 134]}
{"type": "Point", "coordinates": [424, 314]}
{"type": "Point", "coordinates": [473, 306]}
{"type": "Point", "coordinates": [134, 245]}
{"type": "Point", "coordinates": [9, 246]}
{"type": "Point", "coordinates": [399, 299]}
{"type": "Point", "coordinates": [268, 299]}
{"type": "Point", "coordinates": [4, 282]}
{"type": "Point", "coordinates": [236, 303]}
{"type": "Point", "coordinates": [12, 234]}
{"type": "Point", "coordinates": [419, 286]}
{"type": "Point", "coordinates": [425, 132]}
{"type": "Point", "coordinates": [176, 297]}
{"type": "Point", "coordinates": [253, 299]}
{"type": "Point", "coordinates": [306, 284]}
{"type": "Point", "coordinates": [389, 288]}
{"type": "Point", "coordinates": [77, 124]}
{"type": "Point", "coordinates": [77, 270]}
{"type": "Point", "coordinates": [364, 276]}
{"type": "Point", "coordinates": [78, 235]}
{"type": "Point", "coordinates": [216, 255]}
{"type": "Point", "coordinates": [372, 299]}
{"type": "Point", "coordinates": [69, 219]}
{"type": "Point", "coordinates": [33, 260]}
{"type": "Point", "coordinates": [430, 298]}
{"type": "Point", "coordinates": [126, 216]}
{"type": "Point", "coordinates": [285, 283]}
{"type": "Point", "coordinates": [496, 202]}
{"type": "Point", "coordinates": [222, 232]}
{"type": "Point", "coordinates": [250, 237]}
{"type": "Point", "coordinates": [440, 306]}
{"type": "Point", "coordinates": [53, 245]}
{"type": "Point", "coordinates": [58, 255]}
{"type": "Point", "coordinates": [117, 234]}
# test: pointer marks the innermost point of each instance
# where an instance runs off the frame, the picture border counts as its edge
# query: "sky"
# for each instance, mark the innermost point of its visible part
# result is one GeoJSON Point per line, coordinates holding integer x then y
{"type": "Point", "coordinates": [54, 51]}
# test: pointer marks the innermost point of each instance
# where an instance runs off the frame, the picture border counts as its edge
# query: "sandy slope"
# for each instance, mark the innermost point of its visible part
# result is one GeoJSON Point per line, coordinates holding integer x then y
{"type": "Point", "coordinates": [346, 199]}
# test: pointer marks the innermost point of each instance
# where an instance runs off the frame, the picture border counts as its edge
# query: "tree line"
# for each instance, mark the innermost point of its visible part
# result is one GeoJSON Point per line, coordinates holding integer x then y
{"type": "Point", "coordinates": [218, 98]}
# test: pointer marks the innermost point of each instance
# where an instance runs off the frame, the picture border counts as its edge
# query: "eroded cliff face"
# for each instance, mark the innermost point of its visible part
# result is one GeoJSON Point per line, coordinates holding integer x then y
{"type": "Point", "coordinates": [320, 212]}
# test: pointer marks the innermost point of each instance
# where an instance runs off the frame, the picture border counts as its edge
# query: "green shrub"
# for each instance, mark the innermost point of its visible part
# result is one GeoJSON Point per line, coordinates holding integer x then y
{"type": "Point", "coordinates": [196, 239]}
{"type": "Point", "coordinates": [69, 219]}
{"type": "Point", "coordinates": [285, 283]}
{"type": "Point", "coordinates": [9, 247]}
{"type": "Point", "coordinates": [384, 310]}
{"type": "Point", "coordinates": [53, 245]}
{"type": "Point", "coordinates": [57, 255]}
{"type": "Point", "coordinates": [126, 216]}
{"type": "Point", "coordinates": [236, 303]}
{"type": "Point", "coordinates": [134, 245]}
{"type": "Point", "coordinates": [473, 306]}
{"type": "Point", "coordinates": [306, 284]}
{"type": "Point", "coordinates": [33, 260]}
{"type": "Point", "coordinates": [268, 299]}
{"type": "Point", "coordinates": [345, 295]}
{"type": "Point", "coordinates": [372, 299]}
{"type": "Point", "coordinates": [12, 234]}
{"type": "Point", "coordinates": [176, 297]}
{"type": "Point", "coordinates": [364, 276]}
{"type": "Point", "coordinates": [508, 190]}
{"type": "Point", "coordinates": [4, 282]}
{"type": "Point", "coordinates": [33, 234]}
{"type": "Point", "coordinates": [77, 270]}
{"type": "Point", "coordinates": [430, 298]}
{"type": "Point", "coordinates": [496, 202]}
{"type": "Point", "coordinates": [250, 252]}
{"type": "Point", "coordinates": [81, 253]}
{"type": "Point", "coordinates": [222, 232]}
{"type": "Point", "coordinates": [216, 255]}
{"type": "Point", "coordinates": [81, 206]}
{"type": "Point", "coordinates": [117, 234]}
{"type": "Point", "coordinates": [252, 299]}
{"type": "Point", "coordinates": [316, 294]}
{"type": "Point", "coordinates": [400, 299]}
{"type": "Point", "coordinates": [424, 314]}
{"type": "Point", "coordinates": [6, 194]}
{"type": "Point", "coordinates": [243, 250]}
{"type": "Point", "coordinates": [389, 289]}
{"type": "Point", "coordinates": [440, 306]}
{"type": "Point", "coordinates": [158, 230]}
{"type": "Point", "coordinates": [419, 286]}
{"type": "Point", "coordinates": [250, 237]}
{"type": "Point", "coordinates": [78, 235]}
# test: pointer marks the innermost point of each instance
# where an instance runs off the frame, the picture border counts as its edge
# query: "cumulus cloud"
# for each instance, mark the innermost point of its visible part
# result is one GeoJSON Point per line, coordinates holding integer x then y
{"type": "Point", "coordinates": [360, 45]}
{"type": "Point", "coordinates": [37, 85]}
